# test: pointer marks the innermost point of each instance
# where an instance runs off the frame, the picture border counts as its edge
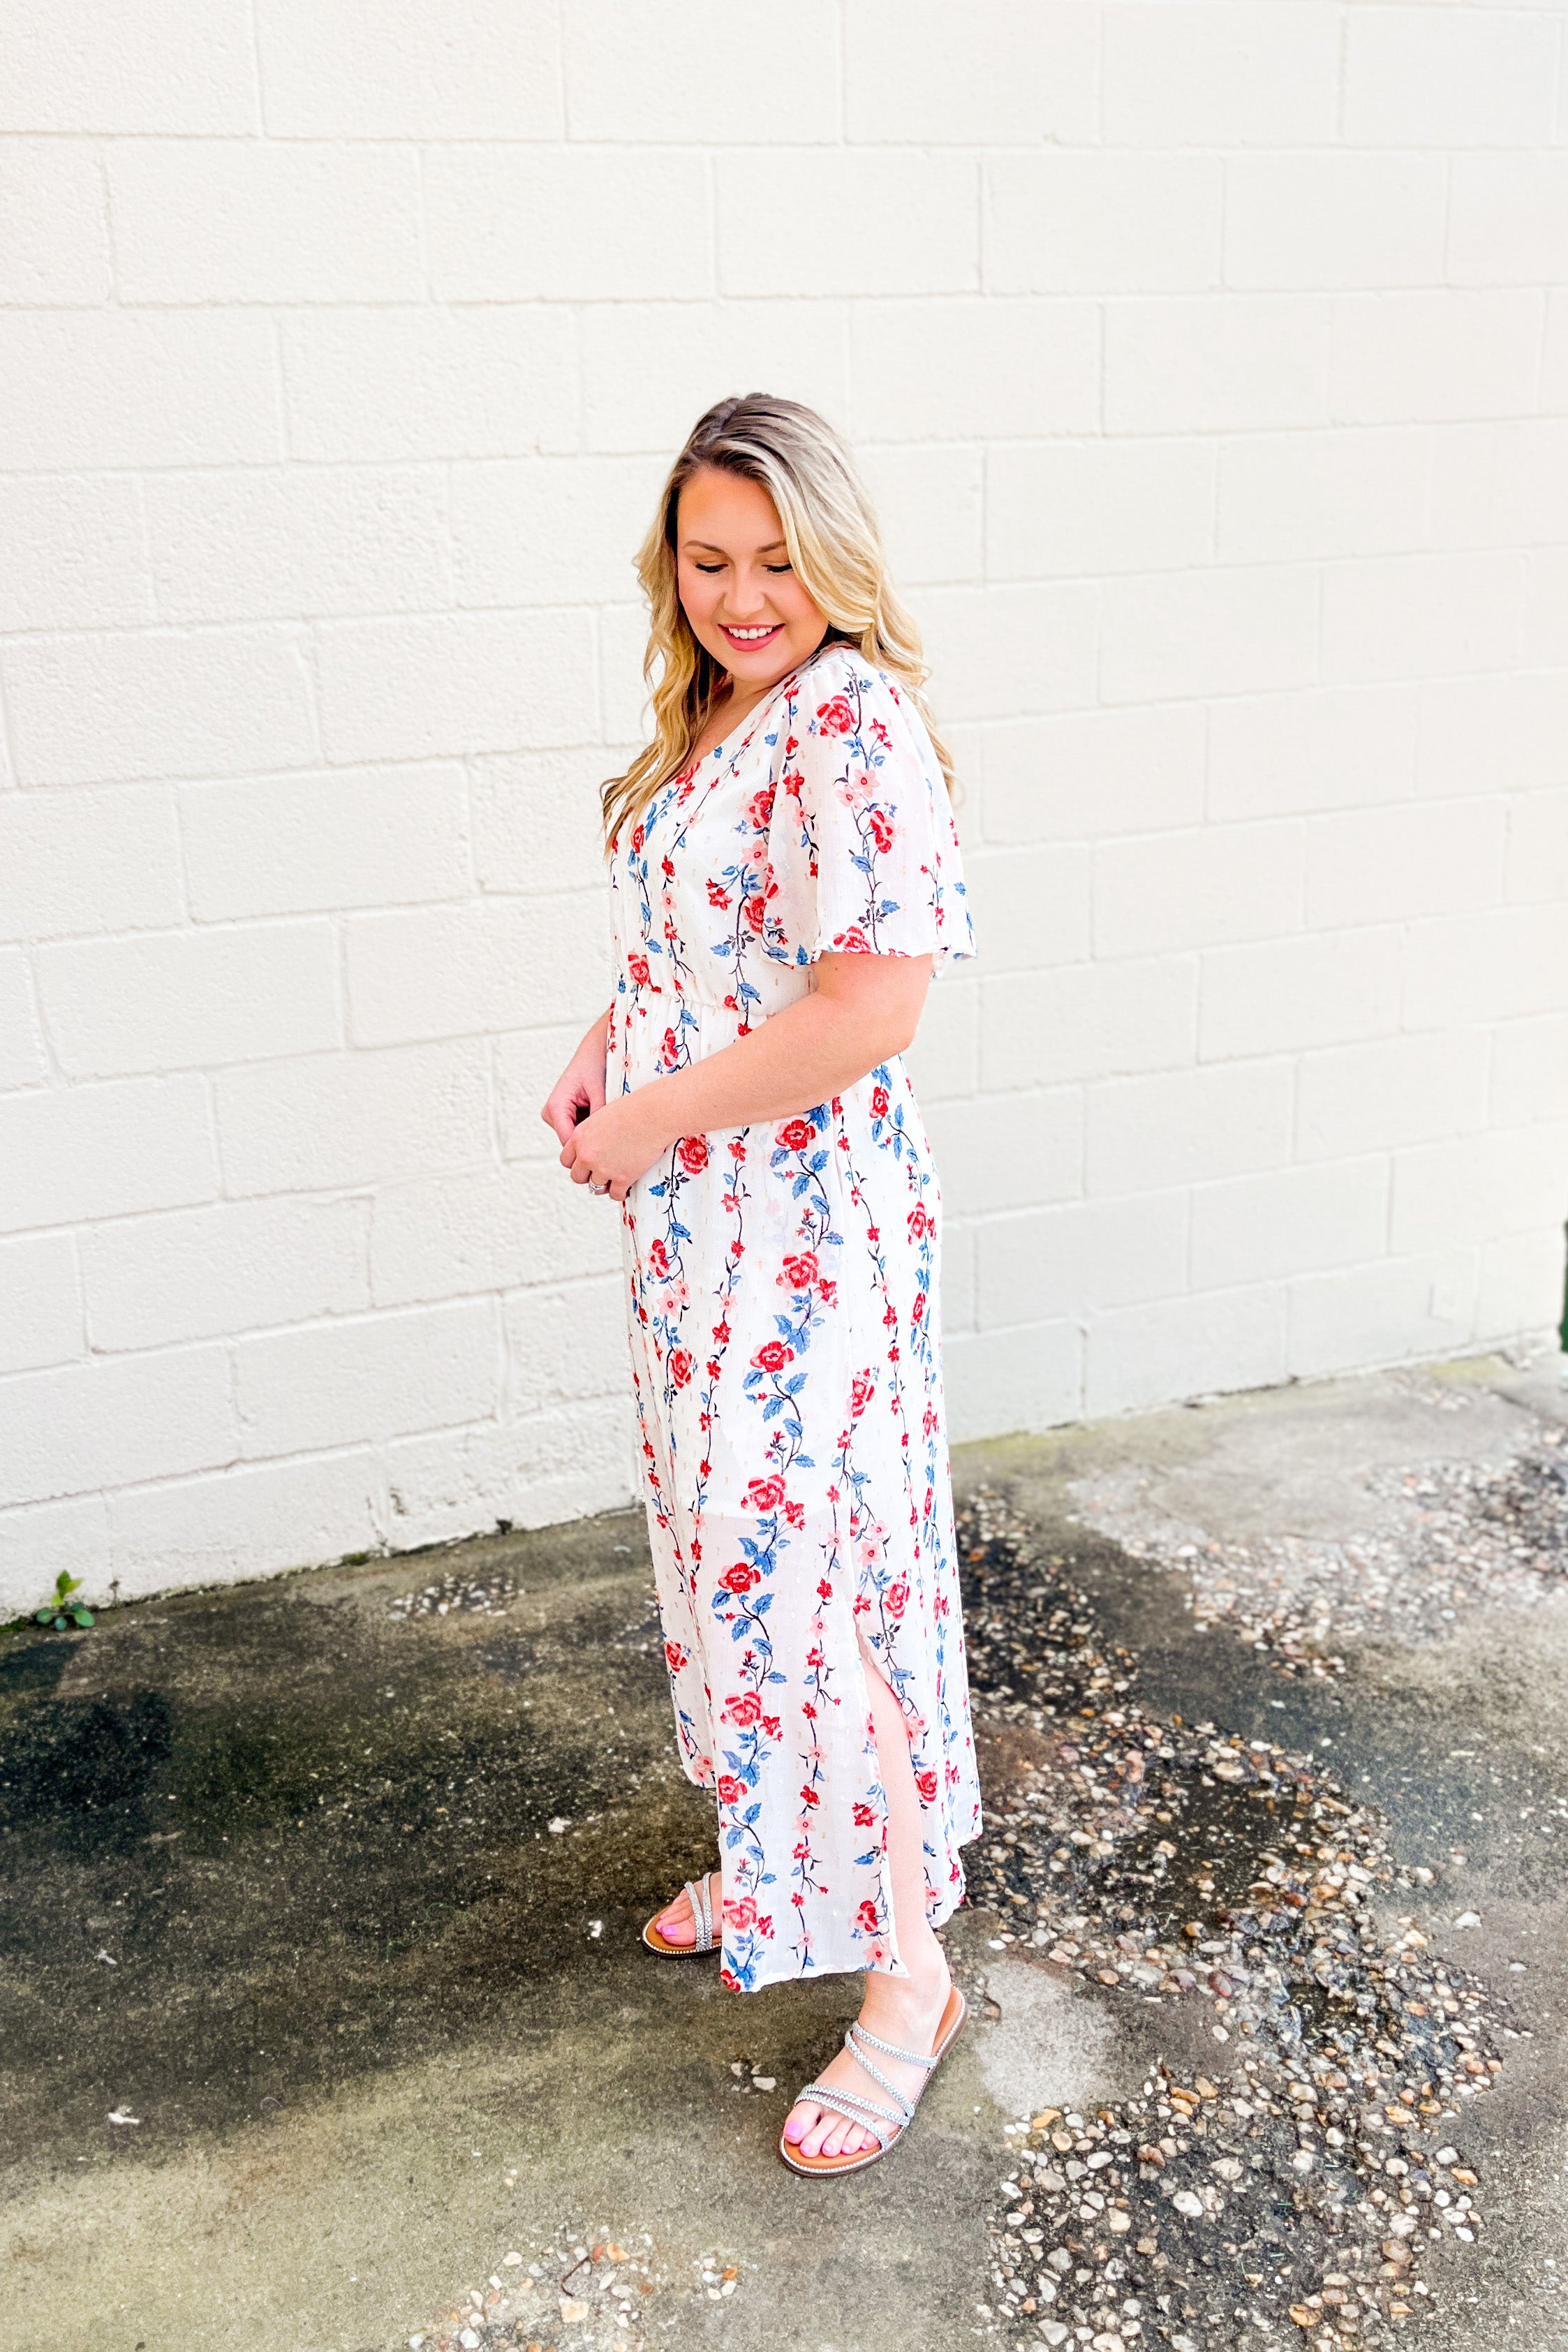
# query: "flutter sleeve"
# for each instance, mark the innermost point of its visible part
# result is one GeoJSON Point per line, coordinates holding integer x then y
{"type": "Point", "coordinates": [862, 843]}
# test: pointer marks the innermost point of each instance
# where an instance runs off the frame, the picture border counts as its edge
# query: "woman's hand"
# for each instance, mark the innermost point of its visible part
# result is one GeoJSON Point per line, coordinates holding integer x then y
{"type": "Point", "coordinates": [616, 1143]}
{"type": "Point", "coordinates": [580, 1088]}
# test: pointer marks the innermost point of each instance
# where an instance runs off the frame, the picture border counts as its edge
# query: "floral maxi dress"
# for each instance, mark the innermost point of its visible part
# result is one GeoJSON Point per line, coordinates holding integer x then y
{"type": "Point", "coordinates": [781, 1291]}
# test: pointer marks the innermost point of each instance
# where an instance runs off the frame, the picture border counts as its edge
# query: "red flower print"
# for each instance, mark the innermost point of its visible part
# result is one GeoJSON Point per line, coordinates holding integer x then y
{"type": "Point", "coordinates": [800, 1271]}
{"type": "Point", "coordinates": [693, 1151]}
{"type": "Point", "coordinates": [896, 1597]}
{"type": "Point", "coordinates": [638, 837]}
{"type": "Point", "coordinates": [865, 1918]}
{"type": "Point", "coordinates": [795, 1513]}
{"type": "Point", "coordinates": [741, 1578]}
{"type": "Point", "coordinates": [674, 1656]}
{"type": "Point", "coordinates": [765, 1924]}
{"type": "Point", "coordinates": [774, 1356]}
{"type": "Point", "coordinates": [824, 1590]}
{"type": "Point", "coordinates": [797, 1136]}
{"type": "Point", "coordinates": [742, 1913]}
{"type": "Point", "coordinates": [860, 1395]}
{"type": "Point", "coordinates": [836, 718]}
{"type": "Point", "coordinates": [879, 1102]}
{"type": "Point", "coordinates": [926, 1784]}
{"type": "Point", "coordinates": [765, 1494]}
{"type": "Point", "coordinates": [881, 830]}
{"type": "Point", "coordinates": [638, 966]}
{"type": "Point", "coordinates": [681, 1366]}
{"type": "Point", "coordinates": [809, 1797]}
{"type": "Point", "coordinates": [759, 811]}
{"type": "Point", "coordinates": [756, 911]}
{"type": "Point", "coordinates": [658, 1255]}
{"type": "Point", "coordinates": [864, 1816]}
{"type": "Point", "coordinates": [717, 898]}
{"type": "Point", "coordinates": [853, 941]}
{"type": "Point", "coordinates": [730, 1790]}
{"type": "Point", "coordinates": [744, 1709]}
{"type": "Point", "coordinates": [671, 1050]}
{"type": "Point", "coordinates": [772, 1725]}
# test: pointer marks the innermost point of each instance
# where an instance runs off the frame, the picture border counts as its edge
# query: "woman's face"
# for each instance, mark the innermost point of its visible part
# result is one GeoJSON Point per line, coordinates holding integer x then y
{"type": "Point", "coordinates": [745, 605]}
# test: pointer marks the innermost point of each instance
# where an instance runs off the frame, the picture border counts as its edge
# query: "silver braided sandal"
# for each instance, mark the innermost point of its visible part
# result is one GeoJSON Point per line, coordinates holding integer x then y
{"type": "Point", "coordinates": [706, 1927]}
{"type": "Point", "coordinates": [888, 2124]}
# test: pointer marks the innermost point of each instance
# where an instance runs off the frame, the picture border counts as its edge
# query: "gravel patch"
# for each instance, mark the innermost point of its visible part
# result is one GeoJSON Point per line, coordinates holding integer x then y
{"type": "Point", "coordinates": [586, 2290]}
{"type": "Point", "coordinates": [457, 1595]}
{"type": "Point", "coordinates": [1288, 2191]}
{"type": "Point", "coordinates": [1457, 1536]}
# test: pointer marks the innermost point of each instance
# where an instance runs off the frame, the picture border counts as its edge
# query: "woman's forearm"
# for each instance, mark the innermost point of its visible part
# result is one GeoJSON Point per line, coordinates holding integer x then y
{"type": "Point", "coordinates": [797, 1058]}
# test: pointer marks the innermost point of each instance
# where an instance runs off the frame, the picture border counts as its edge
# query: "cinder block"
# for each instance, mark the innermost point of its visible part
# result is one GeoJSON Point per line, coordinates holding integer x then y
{"type": "Point", "coordinates": [1031, 906]}
{"type": "Point", "coordinates": [651, 369]}
{"type": "Point", "coordinates": [1480, 1188]}
{"type": "Point", "coordinates": [511, 224]}
{"type": "Point", "coordinates": [1326, 746]}
{"type": "Point", "coordinates": [1117, 220]}
{"type": "Point", "coordinates": [356, 1380]}
{"type": "Point", "coordinates": [955, 1308]}
{"type": "Point", "coordinates": [1449, 351]}
{"type": "Point", "coordinates": [1507, 218]}
{"type": "Point", "coordinates": [1530, 1070]}
{"type": "Point", "coordinates": [279, 542]}
{"type": "Point", "coordinates": [1500, 482]}
{"type": "Point", "coordinates": [999, 1381]}
{"type": "Point", "coordinates": [40, 1539]}
{"type": "Point", "coordinates": [99, 860]}
{"type": "Point", "coordinates": [1097, 507]}
{"type": "Point", "coordinates": [1009, 369]}
{"type": "Point", "coordinates": [537, 820]}
{"type": "Point", "coordinates": [1089, 774]}
{"type": "Point", "coordinates": [87, 66]}
{"type": "Point", "coordinates": [1520, 1287]}
{"type": "Point", "coordinates": [564, 1344]}
{"type": "Point", "coordinates": [41, 1303]}
{"type": "Point", "coordinates": [1170, 634]}
{"type": "Point", "coordinates": [1217, 363]}
{"type": "Point", "coordinates": [251, 1520]}
{"type": "Point", "coordinates": [999, 73]}
{"type": "Point", "coordinates": [916, 215]}
{"type": "Point", "coordinates": [1545, 630]}
{"type": "Point", "coordinates": [1491, 734]}
{"type": "Point", "coordinates": [75, 553]}
{"type": "Point", "coordinates": [931, 503]}
{"type": "Point", "coordinates": [74, 1152]}
{"type": "Point", "coordinates": [1008, 1151]}
{"type": "Point", "coordinates": [171, 1000]}
{"type": "Point", "coordinates": [1001, 651]}
{"type": "Point", "coordinates": [334, 1120]}
{"type": "Point", "coordinates": [87, 1427]}
{"type": "Point", "coordinates": [459, 970]}
{"type": "Point", "coordinates": [623, 714]}
{"type": "Point", "coordinates": [551, 530]}
{"type": "Point", "coordinates": [1428, 857]}
{"type": "Point", "coordinates": [199, 1274]}
{"type": "Point", "coordinates": [1449, 78]}
{"type": "Point", "coordinates": [340, 837]}
{"type": "Point", "coordinates": [1538, 846]}
{"type": "Point", "coordinates": [1334, 219]}
{"type": "Point", "coordinates": [1422, 615]}
{"type": "Point", "coordinates": [390, 69]}
{"type": "Point", "coordinates": [1554, 360]}
{"type": "Point", "coordinates": [21, 1043]}
{"type": "Point", "coordinates": [1494, 965]}
{"type": "Point", "coordinates": [528, 1062]}
{"type": "Point", "coordinates": [1077, 1260]}
{"type": "Point", "coordinates": [417, 686]}
{"type": "Point", "coordinates": [1290, 1220]}
{"type": "Point", "coordinates": [629, 82]}
{"type": "Point", "coordinates": [268, 220]}
{"type": "Point", "coordinates": [1288, 496]}
{"type": "Point", "coordinates": [1278, 995]}
{"type": "Point", "coordinates": [422, 383]}
{"type": "Point", "coordinates": [1226, 75]}
{"type": "Point", "coordinates": [56, 231]}
{"type": "Point", "coordinates": [490, 1229]}
{"type": "Point", "coordinates": [1380, 1314]}
{"type": "Point", "coordinates": [1089, 1020]}
{"type": "Point", "coordinates": [102, 707]}
{"type": "Point", "coordinates": [536, 1473]}
{"type": "Point", "coordinates": [1193, 889]}
{"type": "Point", "coordinates": [1186, 1126]}
{"type": "Point", "coordinates": [943, 1063]}
{"type": "Point", "coordinates": [124, 388]}
{"type": "Point", "coordinates": [1391, 1090]}
{"type": "Point", "coordinates": [1175, 1347]}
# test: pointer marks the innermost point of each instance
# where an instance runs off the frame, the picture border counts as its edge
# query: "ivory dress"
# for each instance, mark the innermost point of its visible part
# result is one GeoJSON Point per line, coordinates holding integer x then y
{"type": "Point", "coordinates": [782, 1292]}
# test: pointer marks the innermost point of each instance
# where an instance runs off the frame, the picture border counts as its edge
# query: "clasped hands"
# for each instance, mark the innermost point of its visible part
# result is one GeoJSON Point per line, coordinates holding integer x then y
{"type": "Point", "coordinates": [605, 1145]}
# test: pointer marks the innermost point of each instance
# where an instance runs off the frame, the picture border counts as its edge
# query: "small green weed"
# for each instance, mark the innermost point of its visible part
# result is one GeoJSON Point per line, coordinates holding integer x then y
{"type": "Point", "coordinates": [62, 1613]}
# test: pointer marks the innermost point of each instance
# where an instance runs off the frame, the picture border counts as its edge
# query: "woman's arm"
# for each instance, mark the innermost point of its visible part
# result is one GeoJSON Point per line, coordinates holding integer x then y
{"type": "Point", "coordinates": [863, 1009]}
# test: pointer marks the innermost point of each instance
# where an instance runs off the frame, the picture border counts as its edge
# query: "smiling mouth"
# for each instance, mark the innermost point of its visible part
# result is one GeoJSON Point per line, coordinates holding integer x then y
{"type": "Point", "coordinates": [757, 636]}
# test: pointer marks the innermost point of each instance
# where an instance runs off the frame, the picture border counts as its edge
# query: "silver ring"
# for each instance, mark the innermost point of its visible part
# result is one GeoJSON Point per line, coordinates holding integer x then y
{"type": "Point", "coordinates": [598, 1188]}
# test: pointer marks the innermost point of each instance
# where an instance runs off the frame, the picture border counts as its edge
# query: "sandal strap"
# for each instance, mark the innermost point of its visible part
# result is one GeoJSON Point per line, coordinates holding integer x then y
{"type": "Point", "coordinates": [866, 2113]}
{"type": "Point", "coordinates": [910, 2057]}
{"type": "Point", "coordinates": [697, 1895]}
{"type": "Point", "coordinates": [905, 2104]}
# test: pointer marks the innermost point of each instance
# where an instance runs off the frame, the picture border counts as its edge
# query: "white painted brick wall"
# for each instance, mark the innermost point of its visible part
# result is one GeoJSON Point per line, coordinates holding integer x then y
{"type": "Point", "coordinates": [1209, 362]}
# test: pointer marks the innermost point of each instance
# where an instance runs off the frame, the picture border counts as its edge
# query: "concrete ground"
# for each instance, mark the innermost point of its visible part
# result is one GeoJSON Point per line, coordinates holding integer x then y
{"type": "Point", "coordinates": [321, 1981]}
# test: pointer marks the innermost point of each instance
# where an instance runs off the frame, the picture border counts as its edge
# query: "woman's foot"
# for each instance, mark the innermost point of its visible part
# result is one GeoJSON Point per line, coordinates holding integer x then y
{"type": "Point", "coordinates": [905, 2010]}
{"type": "Point", "coordinates": [677, 1925]}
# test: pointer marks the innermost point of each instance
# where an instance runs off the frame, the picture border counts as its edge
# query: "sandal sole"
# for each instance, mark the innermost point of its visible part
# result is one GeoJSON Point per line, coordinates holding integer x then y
{"type": "Point", "coordinates": [817, 2168]}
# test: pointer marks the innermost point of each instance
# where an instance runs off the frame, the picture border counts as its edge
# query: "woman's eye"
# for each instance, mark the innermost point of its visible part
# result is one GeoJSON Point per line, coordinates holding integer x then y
{"type": "Point", "coordinates": [780, 567]}
{"type": "Point", "coordinates": [709, 567]}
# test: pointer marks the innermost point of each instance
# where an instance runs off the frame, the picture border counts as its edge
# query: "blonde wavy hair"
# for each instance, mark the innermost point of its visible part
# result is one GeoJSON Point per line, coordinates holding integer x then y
{"type": "Point", "coordinates": [835, 549]}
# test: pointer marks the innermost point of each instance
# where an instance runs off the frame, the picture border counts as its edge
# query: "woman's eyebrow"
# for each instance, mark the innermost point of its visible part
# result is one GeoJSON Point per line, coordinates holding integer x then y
{"type": "Point", "coordinates": [707, 544]}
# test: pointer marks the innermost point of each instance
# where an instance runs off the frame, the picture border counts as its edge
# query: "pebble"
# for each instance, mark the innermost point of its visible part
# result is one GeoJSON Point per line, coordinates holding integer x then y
{"type": "Point", "coordinates": [458, 1595]}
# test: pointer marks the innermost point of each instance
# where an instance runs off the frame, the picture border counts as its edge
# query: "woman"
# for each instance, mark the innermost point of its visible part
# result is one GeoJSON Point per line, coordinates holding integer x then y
{"type": "Point", "coordinates": [784, 874]}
